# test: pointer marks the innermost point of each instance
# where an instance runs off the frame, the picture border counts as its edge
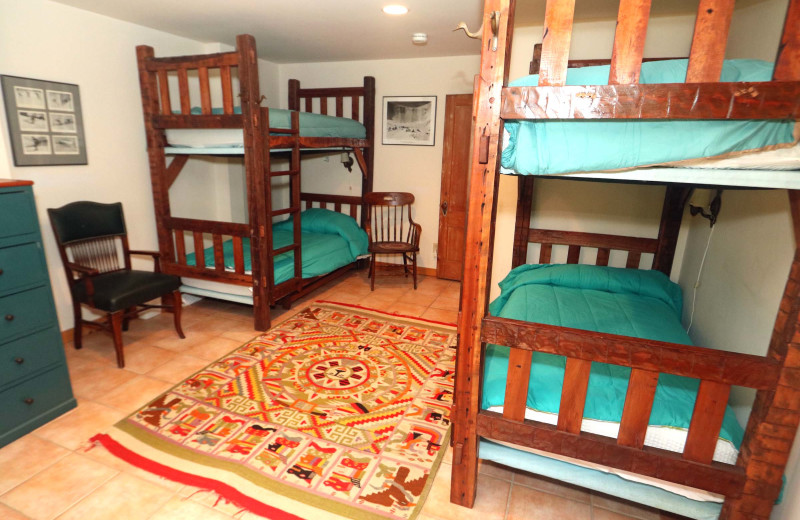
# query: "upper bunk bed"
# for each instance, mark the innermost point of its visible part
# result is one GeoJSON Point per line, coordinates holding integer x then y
{"type": "Point", "coordinates": [210, 105]}
{"type": "Point", "coordinates": [751, 481]}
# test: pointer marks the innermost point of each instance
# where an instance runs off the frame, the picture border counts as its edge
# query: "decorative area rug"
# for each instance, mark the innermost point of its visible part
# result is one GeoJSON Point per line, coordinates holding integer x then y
{"type": "Point", "coordinates": [338, 411]}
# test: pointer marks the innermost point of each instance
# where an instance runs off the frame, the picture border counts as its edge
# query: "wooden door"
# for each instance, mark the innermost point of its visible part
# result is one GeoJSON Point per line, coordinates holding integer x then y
{"type": "Point", "coordinates": [455, 175]}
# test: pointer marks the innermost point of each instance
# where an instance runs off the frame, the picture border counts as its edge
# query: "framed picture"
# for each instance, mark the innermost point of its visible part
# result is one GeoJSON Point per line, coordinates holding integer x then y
{"type": "Point", "coordinates": [409, 120]}
{"type": "Point", "coordinates": [44, 122]}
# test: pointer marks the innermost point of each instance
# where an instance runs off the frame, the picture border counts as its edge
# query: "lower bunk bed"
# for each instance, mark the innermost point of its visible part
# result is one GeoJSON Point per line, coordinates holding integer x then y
{"type": "Point", "coordinates": [622, 301]}
{"type": "Point", "coordinates": [587, 375]}
{"type": "Point", "coordinates": [331, 244]}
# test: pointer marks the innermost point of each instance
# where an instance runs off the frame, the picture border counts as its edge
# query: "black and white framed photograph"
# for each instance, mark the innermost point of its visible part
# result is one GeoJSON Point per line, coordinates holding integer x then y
{"type": "Point", "coordinates": [45, 125]}
{"type": "Point", "coordinates": [409, 120]}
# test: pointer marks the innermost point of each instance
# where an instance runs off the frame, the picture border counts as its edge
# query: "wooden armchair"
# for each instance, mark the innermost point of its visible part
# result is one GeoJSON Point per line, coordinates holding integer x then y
{"type": "Point", "coordinates": [93, 244]}
{"type": "Point", "coordinates": [391, 230]}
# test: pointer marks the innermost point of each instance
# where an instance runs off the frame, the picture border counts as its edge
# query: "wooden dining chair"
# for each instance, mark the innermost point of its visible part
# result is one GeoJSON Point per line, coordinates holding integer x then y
{"type": "Point", "coordinates": [93, 244]}
{"type": "Point", "coordinates": [391, 230]}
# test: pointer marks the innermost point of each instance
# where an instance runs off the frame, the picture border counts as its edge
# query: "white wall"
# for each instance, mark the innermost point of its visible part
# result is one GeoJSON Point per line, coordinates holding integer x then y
{"type": "Point", "coordinates": [415, 169]}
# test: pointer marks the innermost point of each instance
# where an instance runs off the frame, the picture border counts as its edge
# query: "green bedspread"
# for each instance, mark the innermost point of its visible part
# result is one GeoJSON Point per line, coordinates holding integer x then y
{"type": "Point", "coordinates": [329, 240]}
{"type": "Point", "coordinates": [539, 147]}
{"type": "Point", "coordinates": [630, 302]}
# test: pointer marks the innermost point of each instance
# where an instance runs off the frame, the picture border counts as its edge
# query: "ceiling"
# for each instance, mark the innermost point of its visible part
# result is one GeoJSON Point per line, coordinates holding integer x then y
{"type": "Point", "coordinates": [297, 31]}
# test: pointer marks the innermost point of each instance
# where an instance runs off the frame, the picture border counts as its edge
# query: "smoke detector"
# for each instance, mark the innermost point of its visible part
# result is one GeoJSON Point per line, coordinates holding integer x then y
{"type": "Point", "coordinates": [419, 38]}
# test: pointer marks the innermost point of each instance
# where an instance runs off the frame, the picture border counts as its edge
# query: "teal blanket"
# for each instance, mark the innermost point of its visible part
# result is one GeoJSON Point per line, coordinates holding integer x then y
{"type": "Point", "coordinates": [330, 240]}
{"type": "Point", "coordinates": [311, 125]}
{"type": "Point", "coordinates": [630, 302]}
{"type": "Point", "coordinates": [539, 147]}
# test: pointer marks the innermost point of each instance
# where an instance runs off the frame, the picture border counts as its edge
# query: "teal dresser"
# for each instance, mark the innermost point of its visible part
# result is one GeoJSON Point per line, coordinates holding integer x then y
{"type": "Point", "coordinates": [34, 382]}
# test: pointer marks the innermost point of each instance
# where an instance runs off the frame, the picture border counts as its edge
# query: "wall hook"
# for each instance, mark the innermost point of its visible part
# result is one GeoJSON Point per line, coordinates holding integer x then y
{"type": "Point", "coordinates": [495, 22]}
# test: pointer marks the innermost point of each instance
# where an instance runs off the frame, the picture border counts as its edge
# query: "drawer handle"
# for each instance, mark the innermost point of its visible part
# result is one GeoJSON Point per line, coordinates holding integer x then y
{"type": "Point", "coordinates": [29, 400]}
{"type": "Point", "coordinates": [1, 271]}
{"type": "Point", "coordinates": [19, 360]}
{"type": "Point", "coordinates": [9, 317]}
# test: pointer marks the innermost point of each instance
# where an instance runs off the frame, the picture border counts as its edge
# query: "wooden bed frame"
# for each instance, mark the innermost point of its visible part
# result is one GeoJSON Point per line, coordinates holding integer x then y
{"type": "Point", "coordinates": [176, 235]}
{"type": "Point", "coordinates": [752, 485]}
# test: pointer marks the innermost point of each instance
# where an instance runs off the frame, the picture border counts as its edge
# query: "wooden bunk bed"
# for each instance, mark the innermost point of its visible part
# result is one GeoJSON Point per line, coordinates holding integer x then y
{"type": "Point", "coordinates": [752, 484]}
{"type": "Point", "coordinates": [189, 79]}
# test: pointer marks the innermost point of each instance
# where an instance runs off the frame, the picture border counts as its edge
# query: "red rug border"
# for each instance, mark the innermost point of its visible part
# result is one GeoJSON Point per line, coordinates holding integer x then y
{"type": "Point", "coordinates": [223, 490]}
{"type": "Point", "coordinates": [445, 323]}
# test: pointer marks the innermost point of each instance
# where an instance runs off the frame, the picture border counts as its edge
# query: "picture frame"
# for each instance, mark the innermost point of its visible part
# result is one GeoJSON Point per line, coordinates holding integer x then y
{"type": "Point", "coordinates": [45, 124]}
{"type": "Point", "coordinates": [409, 120]}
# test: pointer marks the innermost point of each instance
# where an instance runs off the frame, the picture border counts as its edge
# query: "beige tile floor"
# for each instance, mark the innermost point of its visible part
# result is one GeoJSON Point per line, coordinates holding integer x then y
{"type": "Point", "coordinates": [48, 474]}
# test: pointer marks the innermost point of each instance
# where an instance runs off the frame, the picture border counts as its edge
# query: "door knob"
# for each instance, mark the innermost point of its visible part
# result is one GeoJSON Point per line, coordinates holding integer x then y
{"type": "Point", "coordinates": [444, 208]}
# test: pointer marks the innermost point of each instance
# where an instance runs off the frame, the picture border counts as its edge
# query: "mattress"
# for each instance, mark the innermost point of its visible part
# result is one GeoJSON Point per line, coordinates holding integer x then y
{"type": "Point", "coordinates": [547, 147]}
{"type": "Point", "coordinates": [311, 125]}
{"type": "Point", "coordinates": [630, 302]}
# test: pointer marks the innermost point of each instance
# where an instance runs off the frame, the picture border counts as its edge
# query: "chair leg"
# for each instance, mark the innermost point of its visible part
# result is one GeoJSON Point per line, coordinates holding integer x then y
{"type": "Point", "coordinates": [372, 272]}
{"type": "Point", "coordinates": [405, 265]}
{"type": "Point", "coordinates": [177, 305]}
{"type": "Point", "coordinates": [126, 321]}
{"type": "Point", "coordinates": [116, 319]}
{"type": "Point", "coordinates": [414, 262]}
{"type": "Point", "coordinates": [77, 332]}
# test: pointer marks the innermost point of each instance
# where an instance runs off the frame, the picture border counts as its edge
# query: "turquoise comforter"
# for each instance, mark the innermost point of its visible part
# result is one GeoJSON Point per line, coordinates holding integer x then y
{"type": "Point", "coordinates": [630, 302]}
{"type": "Point", "coordinates": [539, 147]}
{"type": "Point", "coordinates": [311, 125]}
{"type": "Point", "coordinates": [330, 240]}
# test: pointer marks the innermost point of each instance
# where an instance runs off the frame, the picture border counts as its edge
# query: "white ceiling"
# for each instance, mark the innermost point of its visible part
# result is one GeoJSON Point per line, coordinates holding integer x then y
{"type": "Point", "coordinates": [295, 31]}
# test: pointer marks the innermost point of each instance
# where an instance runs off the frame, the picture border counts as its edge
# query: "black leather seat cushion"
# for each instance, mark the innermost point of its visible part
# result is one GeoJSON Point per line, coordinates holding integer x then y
{"type": "Point", "coordinates": [123, 289]}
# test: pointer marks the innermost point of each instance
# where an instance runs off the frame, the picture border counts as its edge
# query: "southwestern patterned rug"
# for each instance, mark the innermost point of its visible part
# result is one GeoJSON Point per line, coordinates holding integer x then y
{"type": "Point", "coordinates": [339, 409]}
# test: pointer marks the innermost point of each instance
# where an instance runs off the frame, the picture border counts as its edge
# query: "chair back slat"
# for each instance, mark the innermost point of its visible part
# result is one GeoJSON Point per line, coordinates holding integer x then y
{"type": "Point", "coordinates": [103, 253]}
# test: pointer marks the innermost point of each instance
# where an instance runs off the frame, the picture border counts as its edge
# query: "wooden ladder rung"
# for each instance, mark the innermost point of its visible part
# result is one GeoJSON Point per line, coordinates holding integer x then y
{"type": "Point", "coordinates": [292, 209]}
{"type": "Point", "coordinates": [283, 173]}
{"type": "Point", "coordinates": [284, 249]}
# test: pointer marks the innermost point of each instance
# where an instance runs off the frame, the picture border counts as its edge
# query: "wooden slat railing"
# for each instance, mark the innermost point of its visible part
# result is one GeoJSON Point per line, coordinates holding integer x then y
{"type": "Point", "coordinates": [306, 96]}
{"type": "Point", "coordinates": [755, 100]}
{"type": "Point", "coordinates": [180, 67]}
{"type": "Point", "coordinates": [575, 241]}
{"type": "Point", "coordinates": [629, 38]}
{"type": "Point", "coordinates": [326, 201]}
{"type": "Point", "coordinates": [717, 370]}
{"type": "Point", "coordinates": [558, 18]}
{"type": "Point", "coordinates": [194, 234]}
{"type": "Point", "coordinates": [710, 38]}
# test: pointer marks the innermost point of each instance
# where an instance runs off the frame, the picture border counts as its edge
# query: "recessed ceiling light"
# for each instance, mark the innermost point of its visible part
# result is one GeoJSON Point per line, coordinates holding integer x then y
{"type": "Point", "coordinates": [395, 9]}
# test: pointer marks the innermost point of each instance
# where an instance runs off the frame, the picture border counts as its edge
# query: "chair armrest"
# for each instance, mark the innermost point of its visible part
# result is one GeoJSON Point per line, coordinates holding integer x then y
{"type": "Point", "coordinates": [86, 273]}
{"type": "Point", "coordinates": [368, 229]}
{"type": "Point", "coordinates": [415, 234]}
{"type": "Point", "coordinates": [156, 258]}
{"type": "Point", "coordinates": [82, 269]}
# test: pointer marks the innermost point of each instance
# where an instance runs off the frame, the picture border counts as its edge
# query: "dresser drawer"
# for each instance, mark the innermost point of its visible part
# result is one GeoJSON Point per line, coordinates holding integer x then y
{"type": "Point", "coordinates": [34, 397]}
{"type": "Point", "coordinates": [21, 265]}
{"type": "Point", "coordinates": [25, 311]}
{"type": "Point", "coordinates": [24, 356]}
{"type": "Point", "coordinates": [17, 214]}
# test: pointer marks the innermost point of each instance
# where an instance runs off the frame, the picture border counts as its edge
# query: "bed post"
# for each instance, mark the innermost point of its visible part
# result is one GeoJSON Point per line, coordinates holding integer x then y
{"type": "Point", "coordinates": [671, 215]}
{"type": "Point", "coordinates": [258, 189]}
{"type": "Point", "coordinates": [479, 238]}
{"type": "Point", "coordinates": [369, 152]}
{"type": "Point", "coordinates": [773, 422]}
{"type": "Point", "coordinates": [522, 225]}
{"type": "Point", "coordinates": [294, 94]}
{"type": "Point", "coordinates": [155, 151]}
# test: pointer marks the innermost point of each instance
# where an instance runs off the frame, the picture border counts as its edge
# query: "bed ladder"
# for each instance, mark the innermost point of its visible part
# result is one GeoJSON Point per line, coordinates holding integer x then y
{"type": "Point", "coordinates": [283, 289]}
